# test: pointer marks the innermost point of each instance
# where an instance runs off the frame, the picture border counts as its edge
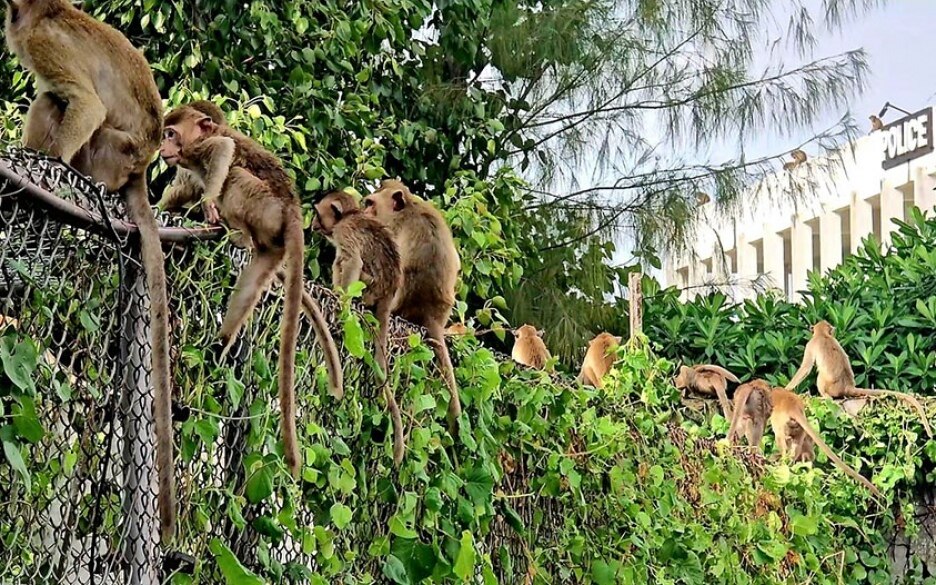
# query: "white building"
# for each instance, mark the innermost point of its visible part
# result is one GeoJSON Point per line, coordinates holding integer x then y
{"type": "Point", "coordinates": [878, 178]}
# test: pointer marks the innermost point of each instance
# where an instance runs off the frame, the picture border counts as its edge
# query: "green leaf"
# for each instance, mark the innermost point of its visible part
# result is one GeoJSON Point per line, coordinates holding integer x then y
{"type": "Point", "coordinates": [479, 484]}
{"type": "Point", "coordinates": [19, 362]}
{"type": "Point", "coordinates": [602, 573]}
{"type": "Point", "coordinates": [26, 421]}
{"type": "Point", "coordinates": [341, 515]}
{"type": "Point", "coordinates": [259, 485]}
{"type": "Point", "coordinates": [394, 570]}
{"type": "Point", "coordinates": [232, 570]}
{"type": "Point", "coordinates": [465, 562]}
{"type": "Point", "coordinates": [15, 458]}
{"type": "Point", "coordinates": [399, 528]}
{"type": "Point", "coordinates": [354, 337]}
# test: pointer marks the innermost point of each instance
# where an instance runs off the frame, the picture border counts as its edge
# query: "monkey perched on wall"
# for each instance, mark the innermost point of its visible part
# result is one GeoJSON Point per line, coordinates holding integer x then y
{"type": "Point", "coordinates": [836, 378]}
{"type": "Point", "coordinates": [795, 437]}
{"type": "Point", "coordinates": [710, 380]}
{"type": "Point", "coordinates": [876, 123]}
{"type": "Point", "coordinates": [186, 188]}
{"type": "Point", "coordinates": [529, 348]}
{"type": "Point", "coordinates": [366, 252]}
{"type": "Point", "coordinates": [598, 359]}
{"type": "Point", "coordinates": [799, 157]}
{"type": "Point", "coordinates": [430, 269]}
{"type": "Point", "coordinates": [99, 110]}
{"type": "Point", "coordinates": [265, 208]}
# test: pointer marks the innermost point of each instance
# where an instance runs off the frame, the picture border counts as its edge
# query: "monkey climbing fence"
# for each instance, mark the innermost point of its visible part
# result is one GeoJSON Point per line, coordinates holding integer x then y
{"type": "Point", "coordinates": [77, 490]}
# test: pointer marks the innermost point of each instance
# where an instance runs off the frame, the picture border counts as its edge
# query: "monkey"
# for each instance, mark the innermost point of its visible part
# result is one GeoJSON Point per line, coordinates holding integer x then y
{"type": "Point", "coordinates": [598, 359]}
{"type": "Point", "coordinates": [799, 157]}
{"type": "Point", "coordinates": [529, 348]}
{"type": "Point", "coordinates": [702, 198]}
{"type": "Point", "coordinates": [367, 252]}
{"type": "Point", "coordinates": [795, 437]}
{"type": "Point", "coordinates": [836, 378]}
{"type": "Point", "coordinates": [264, 207]}
{"type": "Point", "coordinates": [456, 330]}
{"type": "Point", "coordinates": [186, 189]}
{"type": "Point", "coordinates": [752, 408]}
{"type": "Point", "coordinates": [99, 110]}
{"type": "Point", "coordinates": [787, 408]}
{"type": "Point", "coordinates": [708, 379]}
{"type": "Point", "coordinates": [876, 123]}
{"type": "Point", "coordinates": [430, 269]}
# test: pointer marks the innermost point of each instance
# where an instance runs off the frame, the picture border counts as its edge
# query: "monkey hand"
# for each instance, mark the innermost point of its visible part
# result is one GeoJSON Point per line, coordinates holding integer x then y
{"type": "Point", "coordinates": [210, 209]}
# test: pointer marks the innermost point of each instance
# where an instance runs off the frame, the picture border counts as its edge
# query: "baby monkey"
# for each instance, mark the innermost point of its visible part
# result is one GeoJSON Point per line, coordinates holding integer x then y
{"type": "Point", "coordinates": [529, 348]}
{"type": "Point", "coordinates": [366, 252]}
{"type": "Point", "coordinates": [599, 359]}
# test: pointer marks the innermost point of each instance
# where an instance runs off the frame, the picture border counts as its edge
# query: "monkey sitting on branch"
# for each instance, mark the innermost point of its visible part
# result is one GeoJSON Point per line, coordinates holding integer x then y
{"type": "Point", "coordinates": [709, 380]}
{"type": "Point", "coordinates": [756, 401]}
{"type": "Point", "coordinates": [430, 270]}
{"type": "Point", "coordinates": [799, 157]}
{"type": "Point", "coordinates": [836, 378]}
{"type": "Point", "coordinates": [366, 252]}
{"type": "Point", "coordinates": [529, 348]}
{"type": "Point", "coordinates": [246, 187]}
{"type": "Point", "coordinates": [99, 110]}
{"type": "Point", "coordinates": [599, 359]}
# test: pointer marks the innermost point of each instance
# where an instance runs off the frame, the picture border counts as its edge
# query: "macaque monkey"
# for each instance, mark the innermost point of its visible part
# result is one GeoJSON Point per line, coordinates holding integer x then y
{"type": "Point", "coordinates": [265, 209]}
{"type": "Point", "coordinates": [430, 269]}
{"type": "Point", "coordinates": [456, 329]}
{"type": "Point", "coordinates": [710, 380]}
{"type": "Point", "coordinates": [598, 359]}
{"type": "Point", "coordinates": [794, 436]}
{"type": "Point", "coordinates": [529, 348]}
{"type": "Point", "coordinates": [799, 157]}
{"type": "Point", "coordinates": [366, 252]}
{"type": "Point", "coordinates": [99, 110]}
{"type": "Point", "coordinates": [752, 408]}
{"type": "Point", "coordinates": [186, 188]}
{"type": "Point", "coordinates": [836, 378]}
{"type": "Point", "coordinates": [702, 198]}
{"type": "Point", "coordinates": [876, 123]}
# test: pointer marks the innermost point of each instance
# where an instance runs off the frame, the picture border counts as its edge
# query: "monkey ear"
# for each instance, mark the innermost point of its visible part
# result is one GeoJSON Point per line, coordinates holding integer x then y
{"type": "Point", "coordinates": [336, 209]}
{"type": "Point", "coordinates": [206, 124]}
{"type": "Point", "coordinates": [399, 200]}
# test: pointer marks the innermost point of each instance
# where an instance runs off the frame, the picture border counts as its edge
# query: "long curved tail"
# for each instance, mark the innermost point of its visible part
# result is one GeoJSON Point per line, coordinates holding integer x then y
{"type": "Point", "coordinates": [325, 340]}
{"type": "Point", "coordinates": [437, 340]}
{"type": "Point", "coordinates": [289, 336]}
{"type": "Point", "coordinates": [908, 398]}
{"type": "Point", "coordinates": [137, 200]}
{"type": "Point", "coordinates": [798, 417]}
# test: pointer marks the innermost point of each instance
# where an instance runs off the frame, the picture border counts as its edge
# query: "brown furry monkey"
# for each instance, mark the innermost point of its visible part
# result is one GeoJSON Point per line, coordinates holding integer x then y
{"type": "Point", "coordinates": [795, 437]}
{"type": "Point", "coordinates": [366, 252]}
{"type": "Point", "coordinates": [430, 269]}
{"type": "Point", "coordinates": [265, 209]}
{"type": "Point", "coordinates": [529, 348]}
{"type": "Point", "coordinates": [186, 188]}
{"type": "Point", "coordinates": [752, 409]}
{"type": "Point", "coordinates": [598, 359]}
{"type": "Point", "coordinates": [836, 378]}
{"type": "Point", "coordinates": [710, 380]}
{"type": "Point", "coordinates": [799, 157]}
{"type": "Point", "coordinates": [99, 110]}
{"type": "Point", "coordinates": [876, 123]}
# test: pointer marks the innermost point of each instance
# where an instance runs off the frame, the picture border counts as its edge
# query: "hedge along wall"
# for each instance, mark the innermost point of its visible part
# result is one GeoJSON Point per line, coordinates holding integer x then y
{"type": "Point", "coordinates": [545, 482]}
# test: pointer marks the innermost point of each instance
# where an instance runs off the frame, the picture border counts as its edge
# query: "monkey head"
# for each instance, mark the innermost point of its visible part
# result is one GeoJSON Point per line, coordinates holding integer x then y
{"type": "Point", "coordinates": [332, 209]}
{"type": "Point", "coordinates": [823, 328]}
{"type": "Point", "coordinates": [682, 379]}
{"type": "Point", "coordinates": [606, 340]}
{"type": "Point", "coordinates": [391, 197]}
{"type": "Point", "coordinates": [527, 331]}
{"type": "Point", "coordinates": [183, 127]}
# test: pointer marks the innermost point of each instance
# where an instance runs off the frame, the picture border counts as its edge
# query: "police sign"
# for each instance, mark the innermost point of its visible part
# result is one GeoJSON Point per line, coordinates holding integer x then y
{"type": "Point", "coordinates": [908, 138]}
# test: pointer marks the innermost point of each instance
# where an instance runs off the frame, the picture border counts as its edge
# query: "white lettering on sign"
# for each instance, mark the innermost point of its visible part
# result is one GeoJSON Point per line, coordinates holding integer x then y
{"type": "Point", "coordinates": [907, 137]}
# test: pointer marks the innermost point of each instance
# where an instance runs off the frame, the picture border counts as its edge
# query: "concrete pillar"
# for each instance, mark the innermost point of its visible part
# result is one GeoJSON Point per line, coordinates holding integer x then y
{"type": "Point", "coordinates": [861, 221]}
{"type": "Point", "coordinates": [924, 196]}
{"type": "Point", "coordinates": [891, 208]}
{"type": "Point", "coordinates": [773, 257]}
{"type": "Point", "coordinates": [801, 263]}
{"type": "Point", "coordinates": [830, 247]}
{"type": "Point", "coordinates": [747, 259]}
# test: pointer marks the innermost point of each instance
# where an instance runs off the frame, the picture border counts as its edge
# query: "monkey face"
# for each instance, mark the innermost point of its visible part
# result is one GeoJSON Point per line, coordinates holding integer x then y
{"type": "Point", "coordinates": [183, 127]}
{"type": "Point", "coordinates": [331, 210]}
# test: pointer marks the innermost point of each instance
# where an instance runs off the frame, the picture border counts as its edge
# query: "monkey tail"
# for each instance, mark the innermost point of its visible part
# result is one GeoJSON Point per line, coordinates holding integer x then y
{"type": "Point", "coordinates": [137, 200]}
{"type": "Point", "coordinates": [382, 351]}
{"type": "Point", "coordinates": [437, 340]}
{"type": "Point", "coordinates": [908, 398]}
{"type": "Point", "coordinates": [398, 442]}
{"type": "Point", "coordinates": [289, 336]}
{"type": "Point", "coordinates": [798, 417]}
